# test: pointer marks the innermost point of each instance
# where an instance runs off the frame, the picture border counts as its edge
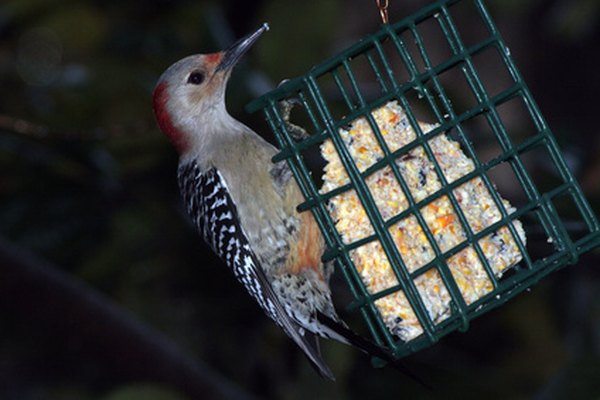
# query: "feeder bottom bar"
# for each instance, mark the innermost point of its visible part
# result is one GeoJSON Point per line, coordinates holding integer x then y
{"type": "Point", "coordinates": [418, 171]}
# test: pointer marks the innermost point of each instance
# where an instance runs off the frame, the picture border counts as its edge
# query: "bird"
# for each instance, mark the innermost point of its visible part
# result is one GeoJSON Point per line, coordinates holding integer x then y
{"type": "Point", "coordinates": [244, 206]}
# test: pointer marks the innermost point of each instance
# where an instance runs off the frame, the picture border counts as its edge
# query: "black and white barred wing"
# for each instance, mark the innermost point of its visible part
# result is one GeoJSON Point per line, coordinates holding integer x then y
{"type": "Point", "coordinates": [215, 215]}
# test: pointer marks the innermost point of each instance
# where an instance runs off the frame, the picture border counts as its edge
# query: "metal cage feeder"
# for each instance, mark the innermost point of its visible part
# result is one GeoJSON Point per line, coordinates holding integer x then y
{"type": "Point", "coordinates": [399, 67]}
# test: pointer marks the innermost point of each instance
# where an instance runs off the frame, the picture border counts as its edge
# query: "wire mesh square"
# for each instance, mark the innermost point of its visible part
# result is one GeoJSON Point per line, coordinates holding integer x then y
{"type": "Point", "coordinates": [437, 75]}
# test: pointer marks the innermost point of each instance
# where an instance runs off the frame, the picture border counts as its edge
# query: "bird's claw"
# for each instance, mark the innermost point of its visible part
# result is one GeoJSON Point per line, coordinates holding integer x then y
{"type": "Point", "coordinates": [285, 108]}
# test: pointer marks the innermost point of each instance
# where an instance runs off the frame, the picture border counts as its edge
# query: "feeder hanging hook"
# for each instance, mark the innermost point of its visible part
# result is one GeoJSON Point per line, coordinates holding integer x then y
{"type": "Point", "coordinates": [382, 5]}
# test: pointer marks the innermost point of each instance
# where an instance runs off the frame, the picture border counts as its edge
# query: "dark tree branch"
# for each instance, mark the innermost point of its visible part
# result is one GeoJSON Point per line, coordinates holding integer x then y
{"type": "Point", "coordinates": [34, 130]}
{"type": "Point", "coordinates": [65, 307]}
{"type": "Point", "coordinates": [22, 126]}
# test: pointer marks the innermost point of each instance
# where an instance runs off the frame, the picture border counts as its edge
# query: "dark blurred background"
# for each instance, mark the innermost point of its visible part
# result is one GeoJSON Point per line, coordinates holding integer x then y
{"type": "Point", "coordinates": [106, 292]}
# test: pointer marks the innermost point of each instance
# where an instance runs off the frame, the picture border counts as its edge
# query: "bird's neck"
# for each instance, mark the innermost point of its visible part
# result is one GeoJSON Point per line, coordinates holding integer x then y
{"type": "Point", "coordinates": [210, 132]}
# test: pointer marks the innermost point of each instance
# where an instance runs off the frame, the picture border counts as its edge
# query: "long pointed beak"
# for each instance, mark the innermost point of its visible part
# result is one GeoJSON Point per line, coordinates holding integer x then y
{"type": "Point", "coordinates": [238, 49]}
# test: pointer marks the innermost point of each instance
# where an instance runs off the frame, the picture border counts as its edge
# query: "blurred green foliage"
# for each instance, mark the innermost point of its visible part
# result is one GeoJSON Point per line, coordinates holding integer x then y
{"type": "Point", "coordinates": [88, 182]}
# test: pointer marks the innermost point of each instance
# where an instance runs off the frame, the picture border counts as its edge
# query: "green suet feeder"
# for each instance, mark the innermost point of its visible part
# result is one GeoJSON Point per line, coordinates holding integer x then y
{"type": "Point", "coordinates": [440, 84]}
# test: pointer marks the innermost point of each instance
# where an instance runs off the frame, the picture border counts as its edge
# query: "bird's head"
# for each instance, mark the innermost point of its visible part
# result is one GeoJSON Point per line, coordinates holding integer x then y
{"type": "Point", "coordinates": [190, 90]}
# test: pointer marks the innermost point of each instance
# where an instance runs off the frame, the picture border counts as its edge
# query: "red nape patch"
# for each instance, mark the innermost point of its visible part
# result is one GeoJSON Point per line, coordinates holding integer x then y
{"type": "Point", "coordinates": [165, 122]}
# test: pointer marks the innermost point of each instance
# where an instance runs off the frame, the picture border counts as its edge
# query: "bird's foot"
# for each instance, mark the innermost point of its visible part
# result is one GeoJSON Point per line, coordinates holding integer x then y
{"type": "Point", "coordinates": [285, 108]}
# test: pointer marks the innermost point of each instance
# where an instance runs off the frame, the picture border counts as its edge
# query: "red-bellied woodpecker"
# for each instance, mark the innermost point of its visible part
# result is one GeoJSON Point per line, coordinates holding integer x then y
{"type": "Point", "coordinates": [245, 206]}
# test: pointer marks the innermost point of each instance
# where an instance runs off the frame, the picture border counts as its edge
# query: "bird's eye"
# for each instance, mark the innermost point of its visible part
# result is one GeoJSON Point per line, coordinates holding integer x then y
{"type": "Point", "coordinates": [196, 78]}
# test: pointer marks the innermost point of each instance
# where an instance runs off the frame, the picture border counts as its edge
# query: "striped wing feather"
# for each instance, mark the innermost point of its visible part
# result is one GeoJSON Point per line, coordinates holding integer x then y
{"type": "Point", "coordinates": [213, 212]}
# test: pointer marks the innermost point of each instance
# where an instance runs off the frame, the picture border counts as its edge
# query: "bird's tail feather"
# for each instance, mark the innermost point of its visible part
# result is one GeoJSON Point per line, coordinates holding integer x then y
{"type": "Point", "coordinates": [314, 355]}
{"type": "Point", "coordinates": [366, 346]}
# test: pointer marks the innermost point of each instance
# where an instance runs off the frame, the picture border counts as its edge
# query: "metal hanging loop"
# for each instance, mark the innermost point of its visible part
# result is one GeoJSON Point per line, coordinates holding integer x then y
{"type": "Point", "coordinates": [382, 5]}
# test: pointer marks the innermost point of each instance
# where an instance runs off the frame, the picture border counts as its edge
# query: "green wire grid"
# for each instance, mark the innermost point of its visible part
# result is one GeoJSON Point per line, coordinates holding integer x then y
{"type": "Point", "coordinates": [423, 78]}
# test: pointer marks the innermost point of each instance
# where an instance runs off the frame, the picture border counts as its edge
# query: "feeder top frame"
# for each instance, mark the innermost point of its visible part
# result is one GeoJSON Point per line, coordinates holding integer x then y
{"type": "Point", "coordinates": [542, 203]}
